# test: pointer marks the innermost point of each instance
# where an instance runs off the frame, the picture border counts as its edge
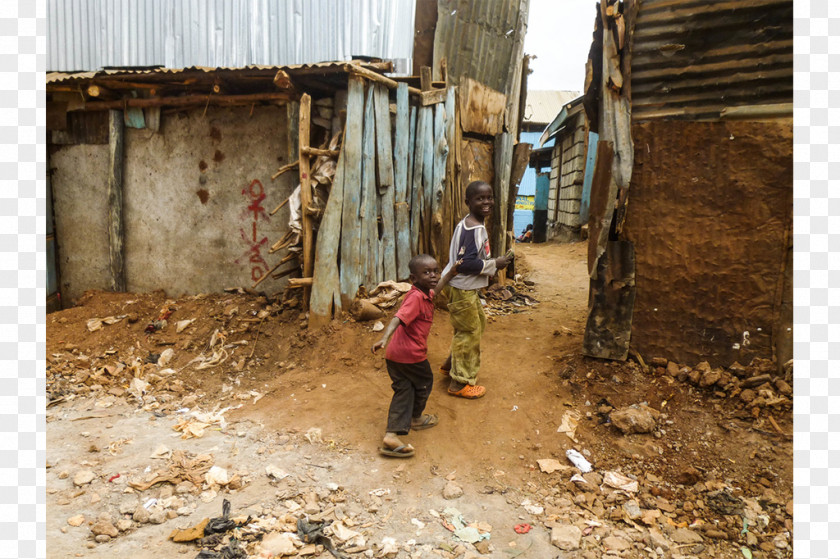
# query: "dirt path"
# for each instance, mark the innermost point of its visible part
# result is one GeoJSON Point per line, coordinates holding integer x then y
{"type": "Point", "coordinates": [289, 382]}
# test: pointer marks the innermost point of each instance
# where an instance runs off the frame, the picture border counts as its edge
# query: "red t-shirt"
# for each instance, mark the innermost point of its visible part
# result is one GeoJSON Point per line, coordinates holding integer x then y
{"type": "Point", "coordinates": [408, 343]}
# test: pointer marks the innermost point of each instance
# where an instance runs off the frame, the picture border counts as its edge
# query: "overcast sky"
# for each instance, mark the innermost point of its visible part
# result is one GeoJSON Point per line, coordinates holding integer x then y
{"type": "Point", "coordinates": [559, 34]}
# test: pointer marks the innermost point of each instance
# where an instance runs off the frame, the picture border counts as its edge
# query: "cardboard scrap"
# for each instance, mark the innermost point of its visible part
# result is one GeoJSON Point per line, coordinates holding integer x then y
{"type": "Point", "coordinates": [189, 534]}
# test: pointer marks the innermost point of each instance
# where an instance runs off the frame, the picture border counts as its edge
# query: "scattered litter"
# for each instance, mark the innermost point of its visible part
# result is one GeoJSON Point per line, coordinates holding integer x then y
{"type": "Point", "coordinates": [161, 452]}
{"type": "Point", "coordinates": [189, 534]}
{"type": "Point", "coordinates": [378, 326]}
{"type": "Point", "coordinates": [182, 324]}
{"type": "Point", "coordinates": [420, 525]}
{"type": "Point", "coordinates": [569, 423]}
{"type": "Point", "coordinates": [514, 408]}
{"type": "Point", "coordinates": [578, 460]}
{"type": "Point", "coordinates": [389, 546]}
{"type": "Point", "coordinates": [313, 435]}
{"type": "Point", "coordinates": [346, 536]}
{"type": "Point", "coordinates": [620, 481]}
{"type": "Point", "coordinates": [532, 508]}
{"type": "Point", "coordinates": [150, 503]}
{"type": "Point", "coordinates": [522, 528]}
{"type": "Point", "coordinates": [165, 357]}
{"type": "Point", "coordinates": [273, 471]}
{"type": "Point", "coordinates": [216, 476]}
{"type": "Point", "coordinates": [113, 477]}
{"type": "Point", "coordinates": [549, 465]}
{"type": "Point", "coordinates": [379, 492]}
{"type": "Point", "coordinates": [578, 478]}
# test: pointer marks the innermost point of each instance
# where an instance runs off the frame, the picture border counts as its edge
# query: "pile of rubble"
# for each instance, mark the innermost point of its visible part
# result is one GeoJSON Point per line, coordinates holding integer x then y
{"type": "Point", "coordinates": [755, 386]}
{"type": "Point", "coordinates": [506, 299]}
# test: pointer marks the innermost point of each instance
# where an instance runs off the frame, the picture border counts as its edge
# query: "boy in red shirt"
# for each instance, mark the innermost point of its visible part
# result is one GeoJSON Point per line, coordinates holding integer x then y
{"type": "Point", "coordinates": [405, 357]}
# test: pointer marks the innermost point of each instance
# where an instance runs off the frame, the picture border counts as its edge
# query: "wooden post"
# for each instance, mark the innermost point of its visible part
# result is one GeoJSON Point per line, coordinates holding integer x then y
{"type": "Point", "coordinates": [385, 175]}
{"type": "Point", "coordinates": [441, 149]}
{"type": "Point", "coordinates": [401, 157]}
{"type": "Point", "coordinates": [417, 184]}
{"type": "Point", "coordinates": [370, 235]}
{"type": "Point", "coordinates": [425, 78]}
{"type": "Point", "coordinates": [116, 133]}
{"type": "Point", "coordinates": [305, 193]}
{"type": "Point", "coordinates": [351, 230]}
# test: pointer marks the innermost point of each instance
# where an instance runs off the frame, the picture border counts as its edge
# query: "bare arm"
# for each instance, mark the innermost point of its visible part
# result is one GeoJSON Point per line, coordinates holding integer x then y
{"type": "Point", "coordinates": [444, 280]}
{"type": "Point", "coordinates": [386, 335]}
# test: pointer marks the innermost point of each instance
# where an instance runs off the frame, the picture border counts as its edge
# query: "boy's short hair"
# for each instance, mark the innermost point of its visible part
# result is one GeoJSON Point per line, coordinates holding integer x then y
{"type": "Point", "coordinates": [472, 187]}
{"type": "Point", "coordinates": [416, 260]}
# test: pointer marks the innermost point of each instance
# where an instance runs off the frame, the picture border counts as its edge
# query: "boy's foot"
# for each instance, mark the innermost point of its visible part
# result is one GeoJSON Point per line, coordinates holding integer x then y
{"type": "Point", "coordinates": [393, 447]}
{"type": "Point", "coordinates": [425, 421]}
{"type": "Point", "coordinates": [444, 372]}
{"type": "Point", "coordinates": [466, 390]}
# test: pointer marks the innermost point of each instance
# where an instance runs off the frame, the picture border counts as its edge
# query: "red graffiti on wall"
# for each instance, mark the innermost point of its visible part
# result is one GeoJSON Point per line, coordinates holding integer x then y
{"type": "Point", "coordinates": [255, 194]}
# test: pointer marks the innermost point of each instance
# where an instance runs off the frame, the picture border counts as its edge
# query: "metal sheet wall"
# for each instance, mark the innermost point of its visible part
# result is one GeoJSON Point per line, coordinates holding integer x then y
{"type": "Point", "coordinates": [91, 34]}
{"type": "Point", "coordinates": [477, 39]}
{"type": "Point", "coordinates": [692, 58]}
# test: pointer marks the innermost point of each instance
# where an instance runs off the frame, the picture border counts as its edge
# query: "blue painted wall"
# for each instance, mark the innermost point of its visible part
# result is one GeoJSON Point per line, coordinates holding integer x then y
{"type": "Point", "coordinates": [528, 186]}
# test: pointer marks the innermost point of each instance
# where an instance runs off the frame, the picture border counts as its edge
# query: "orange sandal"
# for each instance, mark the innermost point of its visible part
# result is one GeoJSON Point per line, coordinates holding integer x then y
{"type": "Point", "coordinates": [470, 392]}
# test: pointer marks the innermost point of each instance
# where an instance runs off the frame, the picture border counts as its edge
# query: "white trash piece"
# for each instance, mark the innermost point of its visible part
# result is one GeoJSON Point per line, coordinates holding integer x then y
{"type": "Point", "coordinates": [578, 460]}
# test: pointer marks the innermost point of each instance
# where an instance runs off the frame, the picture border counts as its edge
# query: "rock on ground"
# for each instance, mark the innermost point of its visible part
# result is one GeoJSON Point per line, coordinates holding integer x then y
{"type": "Point", "coordinates": [633, 420]}
{"type": "Point", "coordinates": [566, 537]}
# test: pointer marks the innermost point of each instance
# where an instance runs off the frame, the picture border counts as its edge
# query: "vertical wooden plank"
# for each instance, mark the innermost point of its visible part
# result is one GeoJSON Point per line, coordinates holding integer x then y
{"type": "Point", "coordinates": [502, 151]}
{"type": "Point", "coordinates": [326, 288]}
{"type": "Point", "coordinates": [409, 187]}
{"type": "Point", "coordinates": [350, 276]}
{"type": "Point", "coordinates": [401, 216]}
{"type": "Point", "coordinates": [428, 174]}
{"type": "Point", "coordinates": [385, 167]}
{"type": "Point", "coordinates": [116, 135]}
{"type": "Point", "coordinates": [441, 149]}
{"type": "Point", "coordinates": [417, 184]}
{"type": "Point", "coordinates": [425, 78]}
{"type": "Point", "coordinates": [305, 193]}
{"type": "Point", "coordinates": [450, 177]}
{"type": "Point", "coordinates": [369, 256]}
{"type": "Point", "coordinates": [384, 161]}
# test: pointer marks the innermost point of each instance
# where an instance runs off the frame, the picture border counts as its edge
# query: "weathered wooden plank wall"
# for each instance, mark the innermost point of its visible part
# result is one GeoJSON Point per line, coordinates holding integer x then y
{"type": "Point", "coordinates": [351, 223]}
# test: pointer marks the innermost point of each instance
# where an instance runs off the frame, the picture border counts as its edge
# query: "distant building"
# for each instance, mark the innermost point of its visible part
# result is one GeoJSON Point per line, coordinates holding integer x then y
{"type": "Point", "coordinates": [541, 106]}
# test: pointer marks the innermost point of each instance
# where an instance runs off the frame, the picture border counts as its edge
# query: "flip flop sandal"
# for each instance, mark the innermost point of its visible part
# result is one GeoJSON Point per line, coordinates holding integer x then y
{"type": "Point", "coordinates": [429, 421]}
{"type": "Point", "coordinates": [469, 391]}
{"type": "Point", "coordinates": [397, 452]}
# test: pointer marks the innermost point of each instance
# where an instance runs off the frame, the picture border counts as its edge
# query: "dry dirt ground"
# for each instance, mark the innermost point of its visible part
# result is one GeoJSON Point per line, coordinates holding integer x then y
{"type": "Point", "coordinates": [714, 474]}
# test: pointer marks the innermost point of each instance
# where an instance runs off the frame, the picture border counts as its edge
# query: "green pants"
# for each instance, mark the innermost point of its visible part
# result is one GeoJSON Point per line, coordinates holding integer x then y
{"type": "Point", "coordinates": [468, 321]}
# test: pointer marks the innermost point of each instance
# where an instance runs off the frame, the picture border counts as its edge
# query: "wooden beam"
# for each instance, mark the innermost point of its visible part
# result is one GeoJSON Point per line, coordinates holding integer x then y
{"type": "Point", "coordinates": [186, 100]}
{"type": "Point", "coordinates": [425, 78]}
{"type": "Point", "coordinates": [283, 169]}
{"type": "Point", "coordinates": [305, 192]}
{"type": "Point", "coordinates": [439, 151]}
{"type": "Point", "coordinates": [417, 182]}
{"type": "Point", "coordinates": [317, 151]}
{"type": "Point", "coordinates": [378, 78]}
{"type": "Point", "coordinates": [432, 97]}
{"type": "Point", "coordinates": [116, 133]}
{"type": "Point", "coordinates": [296, 283]}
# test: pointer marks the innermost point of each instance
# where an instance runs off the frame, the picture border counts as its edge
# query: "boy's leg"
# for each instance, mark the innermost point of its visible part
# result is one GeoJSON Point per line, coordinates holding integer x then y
{"type": "Point", "coordinates": [399, 413]}
{"type": "Point", "coordinates": [467, 320]}
{"type": "Point", "coordinates": [422, 379]}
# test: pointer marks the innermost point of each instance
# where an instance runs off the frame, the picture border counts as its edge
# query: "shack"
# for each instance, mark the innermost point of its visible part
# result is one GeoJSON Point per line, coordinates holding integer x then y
{"type": "Point", "coordinates": [541, 107]}
{"type": "Point", "coordinates": [690, 218]}
{"type": "Point", "coordinates": [565, 211]}
{"type": "Point", "coordinates": [188, 184]}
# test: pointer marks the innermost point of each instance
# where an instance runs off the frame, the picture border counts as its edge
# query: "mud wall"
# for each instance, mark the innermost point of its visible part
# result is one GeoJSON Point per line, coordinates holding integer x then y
{"type": "Point", "coordinates": [710, 216]}
{"type": "Point", "coordinates": [196, 200]}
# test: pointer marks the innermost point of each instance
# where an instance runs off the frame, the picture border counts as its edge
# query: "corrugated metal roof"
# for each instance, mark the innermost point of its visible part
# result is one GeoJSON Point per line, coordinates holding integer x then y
{"type": "Point", "coordinates": [542, 106]}
{"type": "Point", "coordinates": [92, 34]}
{"type": "Point", "coordinates": [58, 77]}
{"type": "Point", "coordinates": [477, 39]}
{"type": "Point", "coordinates": [692, 58]}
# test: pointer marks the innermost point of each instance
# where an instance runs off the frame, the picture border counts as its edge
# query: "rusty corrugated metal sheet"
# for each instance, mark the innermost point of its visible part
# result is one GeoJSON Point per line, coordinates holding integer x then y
{"type": "Point", "coordinates": [542, 106]}
{"type": "Point", "coordinates": [692, 58]}
{"type": "Point", "coordinates": [476, 39]}
{"type": "Point", "coordinates": [92, 34]}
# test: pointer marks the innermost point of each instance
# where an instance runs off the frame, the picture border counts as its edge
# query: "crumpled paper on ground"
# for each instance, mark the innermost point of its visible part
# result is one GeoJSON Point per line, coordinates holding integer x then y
{"type": "Point", "coordinates": [182, 467]}
{"type": "Point", "coordinates": [619, 481]}
{"type": "Point", "coordinates": [578, 460]}
{"type": "Point", "coordinates": [569, 423]}
{"type": "Point", "coordinates": [453, 521]}
{"type": "Point", "coordinates": [388, 293]}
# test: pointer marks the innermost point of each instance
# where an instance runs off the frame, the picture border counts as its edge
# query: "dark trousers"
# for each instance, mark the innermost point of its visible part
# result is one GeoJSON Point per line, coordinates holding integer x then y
{"type": "Point", "coordinates": [412, 384]}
